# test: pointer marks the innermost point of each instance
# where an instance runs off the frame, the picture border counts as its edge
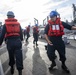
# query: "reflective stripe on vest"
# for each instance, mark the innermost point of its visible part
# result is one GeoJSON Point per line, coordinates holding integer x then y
{"type": "Point", "coordinates": [55, 28]}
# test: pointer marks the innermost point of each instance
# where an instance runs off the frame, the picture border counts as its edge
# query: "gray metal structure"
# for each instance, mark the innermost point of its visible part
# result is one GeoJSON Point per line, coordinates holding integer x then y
{"type": "Point", "coordinates": [35, 21]}
{"type": "Point", "coordinates": [74, 12]}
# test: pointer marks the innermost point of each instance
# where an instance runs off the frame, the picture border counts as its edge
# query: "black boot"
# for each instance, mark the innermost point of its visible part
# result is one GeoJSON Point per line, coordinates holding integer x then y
{"type": "Point", "coordinates": [20, 72]}
{"type": "Point", "coordinates": [52, 65]}
{"type": "Point", "coordinates": [33, 42]}
{"type": "Point", "coordinates": [26, 40]}
{"type": "Point", "coordinates": [45, 47]}
{"type": "Point", "coordinates": [64, 67]}
{"type": "Point", "coordinates": [36, 44]}
{"type": "Point", "coordinates": [55, 56]}
{"type": "Point", "coordinates": [12, 70]}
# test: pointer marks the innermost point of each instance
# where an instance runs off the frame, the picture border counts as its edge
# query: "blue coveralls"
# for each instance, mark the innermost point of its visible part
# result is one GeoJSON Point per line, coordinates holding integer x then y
{"type": "Point", "coordinates": [35, 35]}
{"type": "Point", "coordinates": [0, 30]}
{"type": "Point", "coordinates": [27, 33]}
{"type": "Point", "coordinates": [14, 47]}
{"type": "Point", "coordinates": [58, 44]}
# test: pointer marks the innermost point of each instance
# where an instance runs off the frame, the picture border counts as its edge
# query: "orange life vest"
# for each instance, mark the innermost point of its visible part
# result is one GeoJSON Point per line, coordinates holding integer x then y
{"type": "Point", "coordinates": [28, 29]}
{"type": "Point", "coordinates": [55, 28]}
{"type": "Point", "coordinates": [12, 27]}
{"type": "Point", "coordinates": [35, 29]}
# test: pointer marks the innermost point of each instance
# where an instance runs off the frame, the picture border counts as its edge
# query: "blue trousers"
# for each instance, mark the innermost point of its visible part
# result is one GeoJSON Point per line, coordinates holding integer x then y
{"type": "Point", "coordinates": [14, 47]}
{"type": "Point", "coordinates": [58, 45]}
{"type": "Point", "coordinates": [35, 35]}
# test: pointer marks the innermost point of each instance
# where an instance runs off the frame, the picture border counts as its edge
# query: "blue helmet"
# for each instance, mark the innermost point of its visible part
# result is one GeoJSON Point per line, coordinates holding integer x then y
{"type": "Point", "coordinates": [53, 13]}
{"type": "Point", "coordinates": [28, 25]}
{"type": "Point", "coordinates": [10, 13]}
{"type": "Point", "coordinates": [36, 24]}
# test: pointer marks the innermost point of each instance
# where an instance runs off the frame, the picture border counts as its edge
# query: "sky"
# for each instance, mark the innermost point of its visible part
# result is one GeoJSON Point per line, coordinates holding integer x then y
{"type": "Point", "coordinates": [26, 10]}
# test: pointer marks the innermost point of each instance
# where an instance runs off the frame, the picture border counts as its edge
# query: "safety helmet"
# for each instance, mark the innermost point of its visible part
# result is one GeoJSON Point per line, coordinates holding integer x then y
{"type": "Point", "coordinates": [28, 25]}
{"type": "Point", "coordinates": [36, 24]}
{"type": "Point", "coordinates": [53, 13]}
{"type": "Point", "coordinates": [10, 13]}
